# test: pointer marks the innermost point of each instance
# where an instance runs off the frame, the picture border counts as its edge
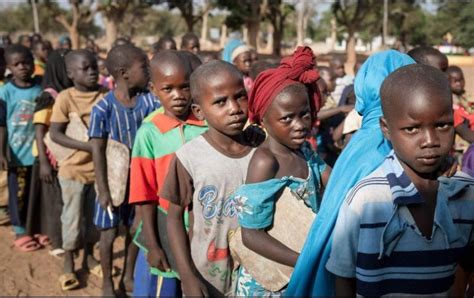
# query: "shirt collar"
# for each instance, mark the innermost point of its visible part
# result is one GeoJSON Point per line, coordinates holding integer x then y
{"type": "Point", "coordinates": [404, 192]}
{"type": "Point", "coordinates": [166, 123]}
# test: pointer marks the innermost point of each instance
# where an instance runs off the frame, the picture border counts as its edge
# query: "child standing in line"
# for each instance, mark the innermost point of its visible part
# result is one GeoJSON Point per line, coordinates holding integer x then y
{"type": "Point", "coordinates": [190, 43]}
{"type": "Point", "coordinates": [41, 53]}
{"type": "Point", "coordinates": [429, 56]}
{"type": "Point", "coordinates": [76, 172]}
{"type": "Point", "coordinates": [45, 203]}
{"type": "Point", "coordinates": [160, 135]}
{"type": "Point", "coordinates": [17, 104]}
{"type": "Point", "coordinates": [202, 176]}
{"type": "Point", "coordinates": [285, 101]}
{"type": "Point", "coordinates": [117, 117]}
{"type": "Point", "coordinates": [402, 229]}
{"type": "Point", "coordinates": [342, 79]}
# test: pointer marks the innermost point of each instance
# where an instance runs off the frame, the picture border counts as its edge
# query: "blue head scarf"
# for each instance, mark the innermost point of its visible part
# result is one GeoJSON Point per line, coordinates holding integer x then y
{"type": "Point", "coordinates": [229, 48]}
{"type": "Point", "coordinates": [364, 153]}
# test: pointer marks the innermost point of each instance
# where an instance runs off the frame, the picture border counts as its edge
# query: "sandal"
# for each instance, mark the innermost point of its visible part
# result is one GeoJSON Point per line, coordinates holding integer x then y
{"type": "Point", "coordinates": [26, 244]}
{"type": "Point", "coordinates": [68, 281]}
{"type": "Point", "coordinates": [42, 239]}
{"type": "Point", "coordinates": [57, 252]}
{"type": "Point", "coordinates": [97, 271]}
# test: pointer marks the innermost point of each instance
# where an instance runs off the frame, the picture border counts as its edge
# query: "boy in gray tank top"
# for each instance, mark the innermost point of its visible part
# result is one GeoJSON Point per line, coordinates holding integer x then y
{"type": "Point", "coordinates": [202, 176]}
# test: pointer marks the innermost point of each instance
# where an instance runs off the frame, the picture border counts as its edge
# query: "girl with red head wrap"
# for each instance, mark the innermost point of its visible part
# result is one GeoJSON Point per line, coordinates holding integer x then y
{"type": "Point", "coordinates": [285, 101]}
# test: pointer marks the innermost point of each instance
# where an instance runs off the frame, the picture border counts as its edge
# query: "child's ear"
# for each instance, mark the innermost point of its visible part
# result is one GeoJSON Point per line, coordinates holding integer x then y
{"type": "Point", "coordinates": [152, 88]}
{"type": "Point", "coordinates": [124, 73]}
{"type": "Point", "coordinates": [384, 127]}
{"type": "Point", "coordinates": [196, 108]}
{"type": "Point", "coordinates": [69, 74]}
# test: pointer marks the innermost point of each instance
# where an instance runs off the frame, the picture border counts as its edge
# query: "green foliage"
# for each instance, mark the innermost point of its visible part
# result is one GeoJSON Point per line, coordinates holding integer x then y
{"type": "Point", "coordinates": [455, 17]}
{"type": "Point", "coordinates": [239, 11]}
{"type": "Point", "coordinates": [156, 23]}
{"type": "Point", "coordinates": [466, 26]}
{"type": "Point", "coordinates": [20, 18]}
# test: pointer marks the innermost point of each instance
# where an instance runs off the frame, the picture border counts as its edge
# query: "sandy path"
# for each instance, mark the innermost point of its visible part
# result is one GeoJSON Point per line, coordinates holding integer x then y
{"type": "Point", "coordinates": [36, 273]}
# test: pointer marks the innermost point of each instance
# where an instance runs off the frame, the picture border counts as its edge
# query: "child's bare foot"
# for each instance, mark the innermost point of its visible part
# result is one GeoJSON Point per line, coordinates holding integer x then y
{"type": "Point", "coordinates": [108, 288]}
{"type": "Point", "coordinates": [126, 285]}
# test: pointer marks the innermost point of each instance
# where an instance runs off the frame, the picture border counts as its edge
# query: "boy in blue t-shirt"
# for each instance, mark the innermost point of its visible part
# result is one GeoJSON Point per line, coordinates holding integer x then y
{"type": "Point", "coordinates": [17, 104]}
{"type": "Point", "coordinates": [403, 229]}
{"type": "Point", "coordinates": [117, 117]}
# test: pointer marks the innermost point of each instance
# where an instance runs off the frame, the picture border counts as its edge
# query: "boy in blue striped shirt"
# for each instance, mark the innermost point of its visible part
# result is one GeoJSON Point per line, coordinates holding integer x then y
{"type": "Point", "coordinates": [117, 117]}
{"type": "Point", "coordinates": [403, 229]}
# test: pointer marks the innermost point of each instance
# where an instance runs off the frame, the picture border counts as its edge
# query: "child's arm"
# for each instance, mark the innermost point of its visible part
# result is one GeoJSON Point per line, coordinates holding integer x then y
{"type": "Point", "coordinates": [58, 135]}
{"type": "Point", "coordinates": [3, 136]}
{"type": "Point", "coordinates": [178, 190]}
{"type": "Point", "coordinates": [46, 171]}
{"type": "Point", "coordinates": [465, 132]}
{"type": "Point", "coordinates": [328, 113]}
{"type": "Point", "coordinates": [100, 164]}
{"type": "Point", "coordinates": [345, 287]}
{"type": "Point", "coordinates": [263, 166]}
{"type": "Point", "coordinates": [179, 242]}
{"type": "Point", "coordinates": [156, 256]}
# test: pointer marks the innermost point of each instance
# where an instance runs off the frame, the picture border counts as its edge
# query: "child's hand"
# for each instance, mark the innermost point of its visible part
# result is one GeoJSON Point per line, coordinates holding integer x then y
{"type": "Point", "coordinates": [449, 167]}
{"type": "Point", "coordinates": [105, 200]}
{"type": "Point", "coordinates": [157, 258]}
{"type": "Point", "coordinates": [46, 172]}
{"type": "Point", "coordinates": [193, 287]}
{"type": "Point", "coordinates": [3, 163]}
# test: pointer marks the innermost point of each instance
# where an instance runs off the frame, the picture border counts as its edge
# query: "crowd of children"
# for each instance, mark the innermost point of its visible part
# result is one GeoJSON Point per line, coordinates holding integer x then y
{"type": "Point", "coordinates": [239, 176]}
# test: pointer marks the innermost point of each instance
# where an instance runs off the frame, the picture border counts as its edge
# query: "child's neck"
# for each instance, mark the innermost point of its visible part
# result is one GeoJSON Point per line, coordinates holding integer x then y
{"type": "Point", "coordinates": [234, 146]}
{"type": "Point", "coordinates": [86, 89]}
{"type": "Point", "coordinates": [425, 183]}
{"type": "Point", "coordinates": [180, 118]}
{"type": "Point", "coordinates": [23, 84]}
{"type": "Point", "coordinates": [279, 148]}
{"type": "Point", "coordinates": [126, 96]}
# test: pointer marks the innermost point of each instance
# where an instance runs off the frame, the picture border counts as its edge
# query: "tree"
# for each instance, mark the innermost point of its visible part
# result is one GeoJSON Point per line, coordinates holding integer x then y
{"type": "Point", "coordinates": [277, 12]}
{"type": "Point", "coordinates": [113, 12]}
{"type": "Point", "coordinates": [246, 13]}
{"type": "Point", "coordinates": [19, 18]}
{"type": "Point", "coordinates": [81, 15]}
{"type": "Point", "coordinates": [352, 15]}
{"type": "Point", "coordinates": [455, 17]}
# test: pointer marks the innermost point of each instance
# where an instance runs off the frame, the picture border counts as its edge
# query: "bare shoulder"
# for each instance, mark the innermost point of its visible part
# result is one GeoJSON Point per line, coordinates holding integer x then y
{"type": "Point", "coordinates": [263, 166]}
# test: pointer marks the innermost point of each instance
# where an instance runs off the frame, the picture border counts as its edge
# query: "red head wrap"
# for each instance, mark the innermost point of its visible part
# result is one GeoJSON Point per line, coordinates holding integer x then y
{"type": "Point", "coordinates": [297, 68]}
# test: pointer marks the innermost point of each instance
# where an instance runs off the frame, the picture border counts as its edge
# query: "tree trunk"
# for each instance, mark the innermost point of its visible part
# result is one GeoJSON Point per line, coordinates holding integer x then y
{"type": "Point", "coordinates": [350, 49]}
{"type": "Point", "coordinates": [333, 33]}
{"type": "Point", "coordinates": [270, 40]}
{"type": "Point", "coordinates": [253, 23]}
{"type": "Point", "coordinates": [300, 30]}
{"type": "Point", "coordinates": [75, 38]}
{"type": "Point", "coordinates": [223, 35]}
{"type": "Point", "coordinates": [205, 18]}
{"type": "Point", "coordinates": [111, 30]}
{"type": "Point", "coordinates": [35, 16]}
{"type": "Point", "coordinates": [189, 19]}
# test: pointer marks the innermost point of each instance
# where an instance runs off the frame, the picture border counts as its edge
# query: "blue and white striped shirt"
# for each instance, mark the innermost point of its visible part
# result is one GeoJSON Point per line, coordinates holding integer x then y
{"type": "Point", "coordinates": [111, 120]}
{"type": "Point", "coordinates": [377, 242]}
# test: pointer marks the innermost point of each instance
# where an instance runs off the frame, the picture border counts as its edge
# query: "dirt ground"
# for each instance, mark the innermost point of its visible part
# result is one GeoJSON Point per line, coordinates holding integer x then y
{"type": "Point", "coordinates": [36, 273]}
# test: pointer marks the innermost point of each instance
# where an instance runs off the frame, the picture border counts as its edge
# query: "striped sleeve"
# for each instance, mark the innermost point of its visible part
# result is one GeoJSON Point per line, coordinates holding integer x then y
{"type": "Point", "coordinates": [143, 176]}
{"type": "Point", "coordinates": [343, 257]}
{"type": "Point", "coordinates": [98, 123]}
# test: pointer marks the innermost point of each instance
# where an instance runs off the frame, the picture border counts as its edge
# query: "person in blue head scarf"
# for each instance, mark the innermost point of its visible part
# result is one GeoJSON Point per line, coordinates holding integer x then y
{"type": "Point", "coordinates": [364, 153]}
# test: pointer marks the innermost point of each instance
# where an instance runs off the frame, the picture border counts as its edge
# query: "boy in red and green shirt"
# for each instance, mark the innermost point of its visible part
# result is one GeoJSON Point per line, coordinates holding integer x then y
{"type": "Point", "coordinates": [161, 134]}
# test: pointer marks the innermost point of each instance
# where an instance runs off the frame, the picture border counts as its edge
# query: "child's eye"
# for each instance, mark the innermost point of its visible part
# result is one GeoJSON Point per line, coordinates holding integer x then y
{"type": "Point", "coordinates": [166, 89]}
{"type": "Point", "coordinates": [411, 130]}
{"type": "Point", "coordinates": [444, 126]}
{"type": "Point", "coordinates": [285, 119]}
{"type": "Point", "coordinates": [220, 102]}
{"type": "Point", "coordinates": [306, 115]}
